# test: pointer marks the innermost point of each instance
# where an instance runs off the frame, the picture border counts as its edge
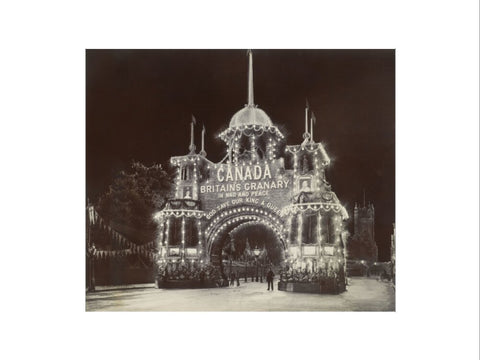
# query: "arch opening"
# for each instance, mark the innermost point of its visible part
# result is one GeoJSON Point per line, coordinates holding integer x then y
{"type": "Point", "coordinates": [250, 247]}
{"type": "Point", "coordinates": [243, 237]}
{"type": "Point", "coordinates": [242, 242]}
{"type": "Point", "coordinates": [230, 218]}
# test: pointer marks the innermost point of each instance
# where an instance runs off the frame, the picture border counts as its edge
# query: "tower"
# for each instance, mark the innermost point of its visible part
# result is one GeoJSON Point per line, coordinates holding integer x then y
{"type": "Point", "coordinates": [251, 137]}
{"type": "Point", "coordinates": [363, 245]}
{"type": "Point", "coordinates": [364, 221]}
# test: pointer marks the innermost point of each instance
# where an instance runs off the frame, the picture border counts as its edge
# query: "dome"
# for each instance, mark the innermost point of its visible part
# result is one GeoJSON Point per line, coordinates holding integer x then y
{"type": "Point", "coordinates": [250, 115]}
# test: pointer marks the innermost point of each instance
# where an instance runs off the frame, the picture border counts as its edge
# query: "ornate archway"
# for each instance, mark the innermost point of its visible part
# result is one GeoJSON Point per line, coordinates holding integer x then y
{"type": "Point", "coordinates": [230, 218]}
{"type": "Point", "coordinates": [260, 180]}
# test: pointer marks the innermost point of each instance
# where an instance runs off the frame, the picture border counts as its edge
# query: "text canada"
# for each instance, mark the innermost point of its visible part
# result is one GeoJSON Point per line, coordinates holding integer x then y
{"type": "Point", "coordinates": [241, 173]}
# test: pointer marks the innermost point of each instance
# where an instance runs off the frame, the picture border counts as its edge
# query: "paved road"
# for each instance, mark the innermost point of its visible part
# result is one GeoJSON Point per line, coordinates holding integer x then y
{"type": "Point", "coordinates": [364, 294]}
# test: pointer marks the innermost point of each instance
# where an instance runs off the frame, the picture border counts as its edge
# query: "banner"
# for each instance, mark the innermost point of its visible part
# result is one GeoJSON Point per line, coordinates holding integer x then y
{"type": "Point", "coordinates": [131, 248]}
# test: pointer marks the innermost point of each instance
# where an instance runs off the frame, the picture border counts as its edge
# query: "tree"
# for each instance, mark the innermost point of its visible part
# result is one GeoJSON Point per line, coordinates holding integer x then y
{"type": "Point", "coordinates": [132, 199]}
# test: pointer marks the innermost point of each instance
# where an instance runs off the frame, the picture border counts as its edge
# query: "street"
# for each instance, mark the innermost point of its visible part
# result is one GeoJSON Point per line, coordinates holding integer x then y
{"type": "Point", "coordinates": [364, 294]}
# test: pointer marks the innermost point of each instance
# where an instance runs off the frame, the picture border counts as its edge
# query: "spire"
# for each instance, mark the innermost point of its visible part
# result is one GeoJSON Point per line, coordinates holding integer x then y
{"type": "Point", "coordinates": [203, 152]}
{"type": "Point", "coordinates": [306, 115]}
{"type": "Point", "coordinates": [192, 145]}
{"type": "Point", "coordinates": [363, 197]}
{"type": "Point", "coordinates": [306, 134]}
{"type": "Point", "coordinates": [313, 120]}
{"type": "Point", "coordinates": [250, 79]}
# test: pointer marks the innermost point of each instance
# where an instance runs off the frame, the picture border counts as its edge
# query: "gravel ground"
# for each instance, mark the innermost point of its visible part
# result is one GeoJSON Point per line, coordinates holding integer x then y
{"type": "Point", "coordinates": [363, 294]}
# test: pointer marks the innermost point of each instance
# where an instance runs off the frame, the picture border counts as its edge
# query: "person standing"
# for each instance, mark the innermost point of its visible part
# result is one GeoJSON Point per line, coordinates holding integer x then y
{"type": "Point", "coordinates": [232, 279]}
{"type": "Point", "coordinates": [270, 276]}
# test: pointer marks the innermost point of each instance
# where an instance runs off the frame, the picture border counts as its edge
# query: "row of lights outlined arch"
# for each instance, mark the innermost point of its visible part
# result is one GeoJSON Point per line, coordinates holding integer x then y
{"type": "Point", "coordinates": [243, 209]}
{"type": "Point", "coordinates": [253, 222]}
{"type": "Point", "coordinates": [211, 238]}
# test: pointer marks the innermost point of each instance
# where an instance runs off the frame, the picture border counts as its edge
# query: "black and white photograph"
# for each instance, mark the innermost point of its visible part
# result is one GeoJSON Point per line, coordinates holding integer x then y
{"type": "Point", "coordinates": [240, 180]}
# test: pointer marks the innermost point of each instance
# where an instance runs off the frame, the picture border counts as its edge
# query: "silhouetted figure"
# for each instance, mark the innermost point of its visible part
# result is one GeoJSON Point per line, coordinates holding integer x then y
{"type": "Point", "coordinates": [238, 279]}
{"type": "Point", "coordinates": [270, 276]}
{"type": "Point", "coordinates": [232, 279]}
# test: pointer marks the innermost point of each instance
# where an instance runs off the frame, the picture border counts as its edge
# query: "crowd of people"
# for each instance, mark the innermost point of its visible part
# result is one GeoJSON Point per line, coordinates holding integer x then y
{"type": "Point", "coordinates": [307, 276]}
{"type": "Point", "coordinates": [235, 279]}
{"type": "Point", "coordinates": [212, 273]}
{"type": "Point", "coordinates": [205, 273]}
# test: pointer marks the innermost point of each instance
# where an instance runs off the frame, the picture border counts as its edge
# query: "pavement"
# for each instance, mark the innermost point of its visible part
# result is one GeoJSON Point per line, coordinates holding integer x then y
{"type": "Point", "coordinates": [124, 287]}
{"type": "Point", "coordinates": [363, 294]}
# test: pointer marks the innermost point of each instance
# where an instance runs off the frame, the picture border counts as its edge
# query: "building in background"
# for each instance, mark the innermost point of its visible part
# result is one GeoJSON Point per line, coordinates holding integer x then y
{"type": "Point", "coordinates": [362, 250]}
{"type": "Point", "coordinates": [362, 245]}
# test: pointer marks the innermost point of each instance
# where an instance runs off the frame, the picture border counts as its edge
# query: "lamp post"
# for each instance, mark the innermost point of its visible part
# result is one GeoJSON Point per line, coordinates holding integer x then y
{"type": "Point", "coordinates": [256, 252]}
{"type": "Point", "coordinates": [262, 267]}
{"type": "Point", "coordinates": [91, 285]}
{"type": "Point", "coordinates": [365, 268]}
{"type": "Point", "coordinates": [245, 259]}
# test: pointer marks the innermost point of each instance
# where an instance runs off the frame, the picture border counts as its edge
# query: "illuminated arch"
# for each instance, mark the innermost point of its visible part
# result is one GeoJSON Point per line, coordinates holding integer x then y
{"type": "Point", "coordinates": [232, 217]}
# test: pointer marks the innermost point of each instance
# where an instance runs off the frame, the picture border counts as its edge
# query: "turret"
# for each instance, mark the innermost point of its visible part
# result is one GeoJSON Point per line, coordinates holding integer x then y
{"type": "Point", "coordinates": [251, 136]}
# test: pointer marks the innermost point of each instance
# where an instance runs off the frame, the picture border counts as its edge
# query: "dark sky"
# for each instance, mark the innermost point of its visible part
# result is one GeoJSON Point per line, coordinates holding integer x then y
{"type": "Point", "coordinates": [139, 106]}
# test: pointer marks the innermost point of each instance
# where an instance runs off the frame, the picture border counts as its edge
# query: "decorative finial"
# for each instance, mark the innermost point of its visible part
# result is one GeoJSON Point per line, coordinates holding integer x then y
{"type": "Point", "coordinates": [313, 120]}
{"type": "Point", "coordinates": [192, 145]}
{"type": "Point", "coordinates": [203, 152]}
{"type": "Point", "coordinates": [250, 102]}
{"type": "Point", "coordinates": [306, 135]}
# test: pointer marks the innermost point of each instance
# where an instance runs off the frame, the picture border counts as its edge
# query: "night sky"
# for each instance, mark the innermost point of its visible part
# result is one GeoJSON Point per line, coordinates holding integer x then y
{"type": "Point", "coordinates": [139, 106]}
